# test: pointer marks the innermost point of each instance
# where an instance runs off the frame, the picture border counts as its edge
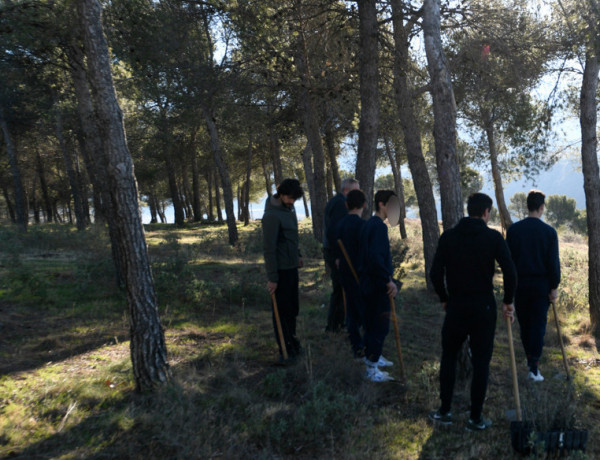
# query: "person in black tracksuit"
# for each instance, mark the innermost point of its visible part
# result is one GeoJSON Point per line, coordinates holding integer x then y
{"type": "Point", "coordinates": [348, 231]}
{"type": "Point", "coordinates": [465, 259]}
{"type": "Point", "coordinates": [282, 259]}
{"type": "Point", "coordinates": [335, 210]}
{"type": "Point", "coordinates": [534, 248]}
{"type": "Point", "coordinates": [377, 285]}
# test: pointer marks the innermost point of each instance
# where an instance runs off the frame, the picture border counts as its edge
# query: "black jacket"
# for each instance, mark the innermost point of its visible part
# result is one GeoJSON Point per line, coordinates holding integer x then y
{"type": "Point", "coordinates": [534, 248]}
{"type": "Point", "coordinates": [466, 255]}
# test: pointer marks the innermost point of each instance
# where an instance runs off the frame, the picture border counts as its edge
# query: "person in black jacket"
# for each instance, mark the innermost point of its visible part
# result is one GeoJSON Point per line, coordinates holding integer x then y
{"type": "Point", "coordinates": [465, 259]}
{"type": "Point", "coordinates": [334, 211]}
{"type": "Point", "coordinates": [375, 272]}
{"type": "Point", "coordinates": [348, 232]}
{"type": "Point", "coordinates": [534, 248]}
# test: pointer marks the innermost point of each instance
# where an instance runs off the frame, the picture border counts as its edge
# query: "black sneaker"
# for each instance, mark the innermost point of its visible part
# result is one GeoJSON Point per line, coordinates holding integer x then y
{"type": "Point", "coordinates": [442, 419]}
{"type": "Point", "coordinates": [478, 425]}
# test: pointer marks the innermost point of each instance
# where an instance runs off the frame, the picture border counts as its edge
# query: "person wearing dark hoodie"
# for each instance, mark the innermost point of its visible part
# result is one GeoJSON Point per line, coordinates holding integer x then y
{"type": "Point", "coordinates": [534, 248]}
{"type": "Point", "coordinates": [375, 272]}
{"type": "Point", "coordinates": [462, 274]}
{"type": "Point", "coordinates": [282, 260]}
{"type": "Point", "coordinates": [348, 231]}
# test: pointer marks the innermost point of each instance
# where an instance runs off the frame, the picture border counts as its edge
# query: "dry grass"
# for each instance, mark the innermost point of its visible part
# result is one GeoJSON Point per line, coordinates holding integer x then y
{"type": "Point", "coordinates": [67, 390]}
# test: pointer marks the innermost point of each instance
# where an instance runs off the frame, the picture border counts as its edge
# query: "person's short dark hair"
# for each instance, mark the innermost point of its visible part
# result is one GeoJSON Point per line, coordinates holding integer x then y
{"type": "Point", "coordinates": [535, 199]}
{"type": "Point", "coordinates": [290, 187]}
{"type": "Point", "coordinates": [355, 199]}
{"type": "Point", "coordinates": [382, 196]}
{"type": "Point", "coordinates": [477, 203]}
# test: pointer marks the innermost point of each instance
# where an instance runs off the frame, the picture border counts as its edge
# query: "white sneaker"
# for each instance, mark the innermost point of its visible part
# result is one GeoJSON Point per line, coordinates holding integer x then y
{"type": "Point", "coordinates": [384, 362]}
{"type": "Point", "coordinates": [375, 375]}
{"type": "Point", "coordinates": [537, 377]}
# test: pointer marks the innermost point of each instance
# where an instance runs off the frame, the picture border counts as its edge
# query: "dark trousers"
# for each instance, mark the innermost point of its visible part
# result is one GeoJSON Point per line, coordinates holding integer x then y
{"type": "Point", "coordinates": [476, 319]}
{"type": "Point", "coordinates": [286, 295]}
{"type": "Point", "coordinates": [377, 322]}
{"type": "Point", "coordinates": [354, 314]}
{"type": "Point", "coordinates": [335, 315]}
{"type": "Point", "coordinates": [531, 305]}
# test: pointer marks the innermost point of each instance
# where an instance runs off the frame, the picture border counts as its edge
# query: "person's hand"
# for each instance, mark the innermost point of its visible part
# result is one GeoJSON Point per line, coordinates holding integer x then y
{"type": "Point", "coordinates": [444, 305]}
{"type": "Point", "coordinates": [300, 262]}
{"type": "Point", "coordinates": [508, 311]}
{"type": "Point", "coordinates": [553, 295]}
{"type": "Point", "coordinates": [271, 287]}
{"type": "Point", "coordinates": [392, 289]}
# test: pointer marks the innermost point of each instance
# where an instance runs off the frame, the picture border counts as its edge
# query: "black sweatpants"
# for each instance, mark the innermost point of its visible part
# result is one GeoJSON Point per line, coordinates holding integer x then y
{"type": "Point", "coordinates": [475, 318]}
{"type": "Point", "coordinates": [377, 310]}
{"type": "Point", "coordinates": [288, 304]}
{"type": "Point", "coordinates": [531, 306]}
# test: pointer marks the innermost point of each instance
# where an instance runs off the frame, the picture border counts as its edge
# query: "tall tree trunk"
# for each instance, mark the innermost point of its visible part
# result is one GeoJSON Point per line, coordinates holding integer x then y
{"type": "Point", "coordinates": [247, 184]}
{"type": "Point", "coordinates": [148, 350]}
{"type": "Point", "coordinates": [591, 180]}
{"type": "Point", "coordinates": [505, 219]}
{"type": "Point", "coordinates": [209, 182]}
{"type": "Point", "coordinates": [218, 198]}
{"type": "Point", "coordinates": [332, 153]}
{"type": "Point", "coordinates": [266, 176]}
{"type": "Point", "coordinates": [9, 205]}
{"type": "Point", "coordinates": [444, 111]}
{"type": "Point", "coordinates": [368, 73]}
{"type": "Point", "coordinates": [94, 158]}
{"type": "Point", "coordinates": [398, 185]}
{"type": "Point", "coordinates": [307, 162]}
{"type": "Point", "coordinates": [305, 203]}
{"type": "Point", "coordinates": [318, 195]}
{"type": "Point", "coordinates": [20, 200]}
{"type": "Point", "coordinates": [275, 155]}
{"type": "Point", "coordinates": [44, 186]}
{"type": "Point", "coordinates": [329, 183]}
{"type": "Point", "coordinates": [34, 201]}
{"type": "Point", "coordinates": [412, 139]}
{"type": "Point", "coordinates": [68, 160]}
{"type": "Point", "coordinates": [171, 175]}
{"type": "Point", "coordinates": [153, 206]}
{"type": "Point", "coordinates": [224, 175]}
{"type": "Point", "coordinates": [196, 203]}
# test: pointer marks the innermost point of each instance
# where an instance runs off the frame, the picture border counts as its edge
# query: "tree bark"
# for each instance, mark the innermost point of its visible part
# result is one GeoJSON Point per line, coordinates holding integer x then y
{"type": "Point", "coordinates": [505, 219]}
{"type": "Point", "coordinates": [368, 73]}
{"type": "Point", "coordinates": [224, 175]}
{"type": "Point", "coordinates": [247, 184]}
{"type": "Point", "coordinates": [275, 155]}
{"type": "Point", "coordinates": [73, 183]}
{"type": "Point", "coordinates": [332, 153]}
{"type": "Point", "coordinates": [209, 182]}
{"type": "Point", "coordinates": [266, 176]}
{"type": "Point", "coordinates": [591, 181]}
{"type": "Point", "coordinates": [318, 194]}
{"type": "Point", "coordinates": [44, 186]}
{"type": "Point", "coordinates": [20, 200]}
{"type": "Point", "coordinates": [398, 186]}
{"type": "Point", "coordinates": [196, 203]}
{"type": "Point", "coordinates": [218, 198]}
{"type": "Point", "coordinates": [94, 158]}
{"type": "Point", "coordinates": [9, 205]}
{"type": "Point", "coordinates": [444, 111]}
{"type": "Point", "coordinates": [412, 139]}
{"type": "Point", "coordinates": [148, 350]}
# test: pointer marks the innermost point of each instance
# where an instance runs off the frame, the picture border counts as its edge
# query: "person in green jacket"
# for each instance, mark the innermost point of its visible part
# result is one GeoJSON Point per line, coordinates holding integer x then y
{"type": "Point", "coordinates": [282, 259]}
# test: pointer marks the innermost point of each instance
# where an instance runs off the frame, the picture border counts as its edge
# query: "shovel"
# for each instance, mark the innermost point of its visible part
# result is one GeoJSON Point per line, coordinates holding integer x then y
{"type": "Point", "coordinates": [562, 345]}
{"type": "Point", "coordinates": [513, 368]}
{"type": "Point", "coordinates": [279, 330]}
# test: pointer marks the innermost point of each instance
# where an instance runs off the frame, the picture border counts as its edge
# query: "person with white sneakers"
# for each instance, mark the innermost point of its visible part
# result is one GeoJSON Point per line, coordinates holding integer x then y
{"type": "Point", "coordinates": [534, 249]}
{"type": "Point", "coordinates": [377, 285]}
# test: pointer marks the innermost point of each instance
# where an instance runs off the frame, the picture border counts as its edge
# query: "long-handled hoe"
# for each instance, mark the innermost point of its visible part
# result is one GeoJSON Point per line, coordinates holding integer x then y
{"type": "Point", "coordinates": [279, 330]}
{"type": "Point", "coordinates": [560, 338]}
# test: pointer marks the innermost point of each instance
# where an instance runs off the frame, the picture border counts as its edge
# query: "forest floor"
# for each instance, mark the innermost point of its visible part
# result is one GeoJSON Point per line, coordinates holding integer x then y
{"type": "Point", "coordinates": [67, 391]}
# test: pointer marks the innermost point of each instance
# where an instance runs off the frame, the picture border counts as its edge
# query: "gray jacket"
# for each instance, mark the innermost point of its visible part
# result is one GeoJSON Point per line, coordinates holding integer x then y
{"type": "Point", "coordinates": [280, 238]}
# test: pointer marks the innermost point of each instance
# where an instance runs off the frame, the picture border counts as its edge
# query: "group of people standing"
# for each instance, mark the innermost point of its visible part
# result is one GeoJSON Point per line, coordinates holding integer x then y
{"type": "Point", "coordinates": [357, 254]}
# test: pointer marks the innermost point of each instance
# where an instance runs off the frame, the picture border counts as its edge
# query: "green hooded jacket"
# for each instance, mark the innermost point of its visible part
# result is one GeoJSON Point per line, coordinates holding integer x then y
{"type": "Point", "coordinates": [280, 238]}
